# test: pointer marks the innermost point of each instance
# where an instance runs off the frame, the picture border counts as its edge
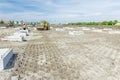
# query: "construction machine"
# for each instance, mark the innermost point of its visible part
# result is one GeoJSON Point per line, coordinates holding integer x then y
{"type": "Point", "coordinates": [44, 25]}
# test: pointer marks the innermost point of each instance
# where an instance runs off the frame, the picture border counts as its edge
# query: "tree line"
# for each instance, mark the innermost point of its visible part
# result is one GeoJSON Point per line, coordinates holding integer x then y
{"type": "Point", "coordinates": [95, 23]}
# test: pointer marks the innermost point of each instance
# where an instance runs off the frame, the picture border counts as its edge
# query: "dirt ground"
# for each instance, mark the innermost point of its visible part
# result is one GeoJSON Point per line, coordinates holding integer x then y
{"type": "Point", "coordinates": [57, 55]}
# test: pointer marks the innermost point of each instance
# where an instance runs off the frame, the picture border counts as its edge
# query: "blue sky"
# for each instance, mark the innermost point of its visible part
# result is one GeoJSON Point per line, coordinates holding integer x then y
{"type": "Point", "coordinates": [60, 11]}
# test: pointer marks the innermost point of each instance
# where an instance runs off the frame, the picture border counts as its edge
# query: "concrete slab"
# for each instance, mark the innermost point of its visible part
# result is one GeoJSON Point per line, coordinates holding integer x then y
{"type": "Point", "coordinates": [107, 29]}
{"type": "Point", "coordinates": [3, 27]}
{"type": "Point", "coordinates": [68, 28]}
{"type": "Point", "coordinates": [13, 38]}
{"type": "Point", "coordinates": [97, 30]}
{"type": "Point", "coordinates": [60, 29]}
{"type": "Point", "coordinates": [86, 29]}
{"type": "Point", "coordinates": [92, 28]}
{"type": "Point", "coordinates": [18, 28]}
{"type": "Point", "coordinates": [76, 32]}
{"type": "Point", "coordinates": [35, 29]}
{"type": "Point", "coordinates": [16, 37]}
{"type": "Point", "coordinates": [25, 31]}
{"type": "Point", "coordinates": [5, 55]}
{"type": "Point", "coordinates": [51, 27]}
{"type": "Point", "coordinates": [114, 32]}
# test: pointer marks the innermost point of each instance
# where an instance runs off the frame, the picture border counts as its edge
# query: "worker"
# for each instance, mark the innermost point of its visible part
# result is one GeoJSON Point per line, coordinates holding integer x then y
{"type": "Point", "coordinates": [24, 26]}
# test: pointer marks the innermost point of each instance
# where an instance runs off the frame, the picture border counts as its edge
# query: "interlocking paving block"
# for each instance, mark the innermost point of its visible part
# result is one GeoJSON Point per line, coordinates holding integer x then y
{"type": "Point", "coordinates": [107, 29]}
{"type": "Point", "coordinates": [13, 38]}
{"type": "Point", "coordinates": [76, 32]}
{"type": "Point", "coordinates": [3, 27]}
{"type": "Point", "coordinates": [5, 55]}
{"type": "Point", "coordinates": [68, 28]}
{"type": "Point", "coordinates": [16, 37]}
{"type": "Point", "coordinates": [114, 32]}
{"type": "Point", "coordinates": [25, 31]}
{"type": "Point", "coordinates": [97, 30]}
{"type": "Point", "coordinates": [85, 29]}
{"type": "Point", "coordinates": [60, 29]}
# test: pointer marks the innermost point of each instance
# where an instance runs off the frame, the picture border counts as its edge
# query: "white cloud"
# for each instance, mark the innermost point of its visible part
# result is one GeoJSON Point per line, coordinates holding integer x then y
{"type": "Point", "coordinates": [62, 10]}
{"type": "Point", "coordinates": [29, 16]}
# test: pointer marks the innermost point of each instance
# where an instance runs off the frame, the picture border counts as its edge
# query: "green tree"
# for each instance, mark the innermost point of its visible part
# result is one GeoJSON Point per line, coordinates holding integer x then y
{"type": "Point", "coordinates": [104, 23]}
{"type": "Point", "coordinates": [110, 23]}
{"type": "Point", "coordinates": [115, 21]}
{"type": "Point", "coordinates": [11, 23]}
{"type": "Point", "coordinates": [17, 22]}
{"type": "Point", "coordinates": [1, 22]}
